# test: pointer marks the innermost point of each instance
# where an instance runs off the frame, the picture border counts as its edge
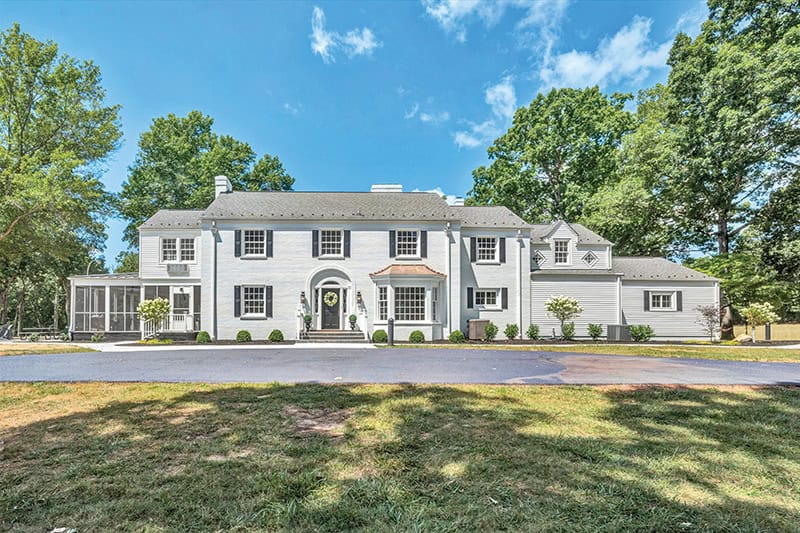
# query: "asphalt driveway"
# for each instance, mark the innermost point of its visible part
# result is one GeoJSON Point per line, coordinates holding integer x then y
{"type": "Point", "coordinates": [357, 365]}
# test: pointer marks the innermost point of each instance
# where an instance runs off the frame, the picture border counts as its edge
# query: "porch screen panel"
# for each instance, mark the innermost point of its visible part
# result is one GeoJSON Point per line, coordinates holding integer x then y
{"type": "Point", "coordinates": [82, 309]}
{"type": "Point", "coordinates": [90, 309]}
{"type": "Point", "coordinates": [123, 302]}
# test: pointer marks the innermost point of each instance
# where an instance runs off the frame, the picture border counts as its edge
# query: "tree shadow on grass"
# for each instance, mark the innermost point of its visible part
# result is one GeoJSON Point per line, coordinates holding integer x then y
{"type": "Point", "coordinates": [411, 458]}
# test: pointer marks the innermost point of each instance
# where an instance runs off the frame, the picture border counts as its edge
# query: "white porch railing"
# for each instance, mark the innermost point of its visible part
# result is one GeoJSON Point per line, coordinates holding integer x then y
{"type": "Point", "coordinates": [174, 323]}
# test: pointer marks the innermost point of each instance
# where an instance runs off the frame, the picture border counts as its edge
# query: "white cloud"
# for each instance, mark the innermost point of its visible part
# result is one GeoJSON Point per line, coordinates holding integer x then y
{"type": "Point", "coordinates": [691, 21]}
{"type": "Point", "coordinates": [435, 118]}
{"type": "Point", "coordinates": [411, 113]}
{"type": "Point", "coordinates": [292, 109]}
{"type": "Point", "coordinates": [449, 198]}
{"type": "Point", "coordinates": [357, 42]}
{"type": "Point", "coordinates": [502, 100]}
{"type": "Point", "coordinates": [628, 55]}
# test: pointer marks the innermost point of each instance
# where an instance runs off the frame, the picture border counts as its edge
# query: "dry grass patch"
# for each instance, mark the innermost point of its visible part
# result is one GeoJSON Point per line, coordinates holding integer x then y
{"type": "Point", "coordinates": [29, 348]}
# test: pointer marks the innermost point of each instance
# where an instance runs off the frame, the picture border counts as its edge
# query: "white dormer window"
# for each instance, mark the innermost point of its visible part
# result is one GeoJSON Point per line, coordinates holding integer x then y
{"type": "Point", "coordinates": [486, 248]}
{"type": "Point", "coordinates": [330, 243]}
{"type": "Point", "coordinates": [590, 258]}
{"type": "Point", "coordinates": [407, 243]}
{"type": "Point", "coordinates": [561, 251]}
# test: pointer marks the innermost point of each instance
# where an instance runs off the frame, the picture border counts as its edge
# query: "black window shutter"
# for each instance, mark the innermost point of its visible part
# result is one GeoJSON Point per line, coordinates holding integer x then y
{"type": "Point", "coordinates": [646, 300]}
{"type": "Point", "coordinates": [504, 297]}
{"type": "Point", "coordinates": [315, 243]}
{"type": "Point", "coordinates": [237, 300]}
{"type": "Point", "coordinates": [679, 300]}
{"type": "Point", "coordinates": [423, 243]}
{"type": "Point", "coordinates": [268, 300]}
{"type": "Point", "coordinates": [347, 243]}
{"type": "Point", "coordinates": [392, 243]}
{"type": "Point", "coordinates": [502, 249]}
{"type": "Point", "coordinates": [269, 242]}
{"type": "Point", "coordinates": [469, 298]}
{"type": "Point", "coordinates": [196, 303]}
{"type": "Point", "coordinates": [473, 249]}
{"type": "Point", "coordinates": [237, 246]}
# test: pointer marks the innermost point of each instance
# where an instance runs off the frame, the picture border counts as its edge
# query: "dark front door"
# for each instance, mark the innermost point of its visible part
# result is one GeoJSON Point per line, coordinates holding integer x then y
{"type": "Point", "coordinates": [331, 308]}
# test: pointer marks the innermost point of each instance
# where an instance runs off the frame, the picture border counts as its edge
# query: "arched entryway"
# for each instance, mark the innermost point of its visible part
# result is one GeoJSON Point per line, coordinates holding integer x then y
{"type": "Point", "coordinates": [332, 298]}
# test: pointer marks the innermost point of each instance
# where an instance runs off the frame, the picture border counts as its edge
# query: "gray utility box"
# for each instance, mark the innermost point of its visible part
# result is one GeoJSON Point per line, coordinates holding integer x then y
{"type": "Point", "coordinates": [618, 333]}
{"type": "Point", "coordinates": [476, 329]}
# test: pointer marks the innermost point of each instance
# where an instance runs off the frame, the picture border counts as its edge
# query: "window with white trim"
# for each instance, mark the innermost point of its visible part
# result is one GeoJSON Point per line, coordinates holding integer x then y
{"type": "Point", "coordinates": [187, 250]}
{"type": "Point", "coordinates": [486, 248]}
{"type": "Point", "coordinates": [487, 298]}
{"type": "Point", "coordinates": [330, 242]}
{"type": "Point", "coordinates": [169, 250]}
{"type": "Point", "coordinates": [537, 258]}
{"type": "Point", "coordinates": [561, 251]}
{"type": "Point", "coordinates": [407, 243]}
{"type": "Point", "coordinates": [662, 301]}
{"type": "Point", "coordinates": [253, 300]}
{"type": "Point", "coordinates": [383, 303]}
{"type": "Point", "coordinates": [590, 258]}
{"type": "Point", "coordinates": [409, 303]}
{"type": "Point", "coordinates": [178, 250]}
{"type": "Point", "coordinates": [254, 242]}
{"type": "Point", "coordinates": [435, 303]}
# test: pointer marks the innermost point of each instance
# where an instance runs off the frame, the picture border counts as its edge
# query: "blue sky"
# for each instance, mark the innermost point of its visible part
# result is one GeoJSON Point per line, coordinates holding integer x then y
{"type": "Point", "coordinates": [353, 93]}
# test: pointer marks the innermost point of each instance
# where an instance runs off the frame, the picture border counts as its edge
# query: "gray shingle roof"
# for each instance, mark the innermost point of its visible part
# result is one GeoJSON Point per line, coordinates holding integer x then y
{"type": "Point", "coordinates": [655, 268]}
{"type": "Point", "coordinates": [330, 206]}
{"type": "Point", "coordinates": [585, 235]}
{"type": "Point", "coordinates": [488, 216]}
{"type": "Point", "coordinates": [174, 218]}
{"type": "Point", "coordinates": [118, 276]}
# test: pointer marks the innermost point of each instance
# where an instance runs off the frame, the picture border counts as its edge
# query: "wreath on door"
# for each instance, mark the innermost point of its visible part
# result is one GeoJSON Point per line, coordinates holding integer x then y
{"type": "Point", "coordinates": [330, 298]}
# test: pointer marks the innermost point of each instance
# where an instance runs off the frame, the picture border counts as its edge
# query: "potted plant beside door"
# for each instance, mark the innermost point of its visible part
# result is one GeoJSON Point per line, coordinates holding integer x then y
{"type": "Point", "coordinates": [352, 319]}
{"type": "Point", "coordinates": [307, 322]}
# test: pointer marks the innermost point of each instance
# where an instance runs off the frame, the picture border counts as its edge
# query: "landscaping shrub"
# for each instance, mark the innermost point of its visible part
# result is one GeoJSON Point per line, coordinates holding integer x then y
{"type": "Point", "coordinates": [490, 332]}
{"type": "Point", "coordinates": [33, 337]}
{"type": "Point", "coordinates": [595, 331]}
{"type": "Point", "coordinates": [533, 332]}
{"type": "Point", "coordinates": [276, 335]}
{"type": "Point", "coordinates": [641, 333]}
{"type": "Point", "coordinates": [416, 337]}
{"type": "Point", "coordinates": [243, 336]}
{"type": "Point", "coordinates": [511, 332]}
{"type": "Point", "coordinates": [568, 331]}
{"type": "Point", "coordinates": [156, 309]}
{"type": "Point", "coordinates": [98, 337]}
{"type": "Point", "coordinates": [457, 336]}
{"type": "Point", "coordinates": [380, 336]}
{"type": "Point", "coordinates": [202, 337]}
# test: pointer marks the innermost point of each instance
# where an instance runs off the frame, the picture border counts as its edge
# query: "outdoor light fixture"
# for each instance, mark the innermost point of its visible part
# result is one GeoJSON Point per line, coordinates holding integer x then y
{"type": "Point", "coordinates": [358, 298]}
{"type": "Point", "coordinates": [302, 297]}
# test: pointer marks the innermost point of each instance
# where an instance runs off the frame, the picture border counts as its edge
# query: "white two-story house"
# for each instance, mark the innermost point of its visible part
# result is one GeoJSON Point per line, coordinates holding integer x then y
{"type": "Point", "coordinates": [260, 261]}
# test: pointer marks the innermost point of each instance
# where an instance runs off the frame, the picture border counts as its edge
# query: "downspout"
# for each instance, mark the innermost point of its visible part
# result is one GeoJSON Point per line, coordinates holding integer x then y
{"type": "Point", "coordinates": [214, 235]}
{"type": "Point", "coordinates": [449, 329]}
{"type": "Point", "coordinates": [519, 279]}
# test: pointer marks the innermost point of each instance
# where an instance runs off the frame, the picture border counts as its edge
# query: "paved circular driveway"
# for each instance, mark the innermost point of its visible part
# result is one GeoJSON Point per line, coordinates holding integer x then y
{"type": "Point", "coordinates": [343, 365]}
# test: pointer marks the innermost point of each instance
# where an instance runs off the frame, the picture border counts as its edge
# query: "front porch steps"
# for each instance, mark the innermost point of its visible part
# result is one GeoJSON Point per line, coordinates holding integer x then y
{"type": "Point", "coordinates": [334, 335]}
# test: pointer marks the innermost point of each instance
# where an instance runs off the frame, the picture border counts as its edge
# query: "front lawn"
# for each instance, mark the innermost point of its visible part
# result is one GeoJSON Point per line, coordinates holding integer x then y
{"type": "Point", "coordinates": [726, 353]}
{"type": "Point", "coordinates": [25, 348]}
{"type": "Point", "coordinates": [187, 457]}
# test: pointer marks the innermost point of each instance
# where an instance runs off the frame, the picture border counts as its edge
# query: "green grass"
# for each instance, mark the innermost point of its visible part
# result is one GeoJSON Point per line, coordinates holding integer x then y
{"type": "Point", "coordinates": [186, 457]}
{"type": "Point", "coordinates": [25, 348]}
{"type": "Point", "coordinates": [156, 341]}
{"type": "Point", "coordinates": [726, 353]}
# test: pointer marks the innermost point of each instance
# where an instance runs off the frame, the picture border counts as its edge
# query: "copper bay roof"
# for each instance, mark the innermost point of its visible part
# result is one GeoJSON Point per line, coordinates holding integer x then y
{"type": "Point", "coordinates": [407, 270]}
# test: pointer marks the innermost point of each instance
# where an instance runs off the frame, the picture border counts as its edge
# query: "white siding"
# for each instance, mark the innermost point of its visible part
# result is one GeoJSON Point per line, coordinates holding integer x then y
{"type": "Point", "coordinates": [668, 324]}
{"type": "Point", "coordinates": [150, 265]}
{"type": "Point", "coordinates": [596, 294]}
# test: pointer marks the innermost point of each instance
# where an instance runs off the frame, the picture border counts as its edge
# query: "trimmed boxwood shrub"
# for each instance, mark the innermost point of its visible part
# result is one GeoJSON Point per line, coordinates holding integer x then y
{"type": "Point", "coordinates": [511, 332]}
{"type": "Point", "coordinates": [416, 337]}
{"type": "Point", "coordinates": [243, 336]}
{"type": "Point", "coordinates": [568, 331]}
{"type": "Point", "coordinates": [490, 332]}
{"type": "Point", "coordinates": [533, 332]}
{"type": "Point", "coordinates": [641, 333]}
{"type": "Point", "coordinates": [276, 335]}
{"type": "Point", "coordinates": [202, 337]}
{"type": "Point", "coordinates": [595, 331]}
{"type": "Point", "coordinates": [379, 336]}
{"type": "Point", "coordinates": [457, 336]}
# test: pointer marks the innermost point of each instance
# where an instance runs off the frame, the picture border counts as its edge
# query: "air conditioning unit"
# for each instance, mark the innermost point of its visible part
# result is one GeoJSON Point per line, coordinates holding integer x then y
{"type": "Point", "coordinates": [178, 269]}
{"type": "Point", "coordinates": [618, 333]}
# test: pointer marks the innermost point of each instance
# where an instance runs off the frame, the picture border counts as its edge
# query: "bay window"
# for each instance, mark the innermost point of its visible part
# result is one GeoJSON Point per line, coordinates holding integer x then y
{"type": "Point", "coordinates": [409, 304]}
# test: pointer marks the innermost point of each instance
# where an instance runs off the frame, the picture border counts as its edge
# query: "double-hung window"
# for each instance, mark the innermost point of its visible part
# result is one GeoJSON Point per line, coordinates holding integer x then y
{"type": "Point", "coordinates": [409, 303]}
{"type": "Point", "coordinates": [178, 250]}
{"type": "Point", "coordinates": [486, 248]}
{"type": "Point", "coordinates": [662, 301]}
{"type": "Point", "coordinates": [435, 303]}
{"type": "Point", "coordinates": [330, 243]}
{"type": "Point", "coordinates": [561, 251]}
{"type": "Point", "coordinates": [487, 299]}
{"type": "Point", "coordinates": [407, 243]}
{"type": "Point", "coordinates": [383, 303]}
{"type": "Point", "coordinates": [253, 301]}
{"type": "Point", "coordinates": [254, 242]}
{"type": "Point", "coordinates": [169, 250]}
{"type": "Point", "coordinates": [187, 250]}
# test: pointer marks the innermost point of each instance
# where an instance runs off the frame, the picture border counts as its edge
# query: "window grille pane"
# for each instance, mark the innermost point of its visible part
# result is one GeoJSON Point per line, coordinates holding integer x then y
{"type": "Point", "coordinates": [486, 298]}
{"type": "Point", "coordinates": [169, 249]}
{"type": "Point", "coordinates": [187, 249]}
{"type": "Point", "coordinates": [254, 242]}
{"type": "Point", "coordinates": [435, 303]}
{"type": "Point", "coordinates": [407, 242]}
{"type": "Point", "coordinates": [383, 303]}
{"type": "Point", "coordinates": [561, 251]}
{"type": "Point", "coordinates": [330, 242]}
{"type": "Point", "coordinates": [253, 300]}
{"type": "Point", "coordinates": [487, 248]}
{"type": "Point", "coordinates": [409, 303]}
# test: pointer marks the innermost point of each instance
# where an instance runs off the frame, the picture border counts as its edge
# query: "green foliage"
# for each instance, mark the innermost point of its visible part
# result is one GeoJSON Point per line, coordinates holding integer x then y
{"type": "Point", "coordinates": [511, 331]}
{"type": "Point", "coordinates": [156, 309]}
{"type": "Point", "coordinates": [33, 337]}
{"type": "Point", "coordinates": [307, 319]}
{"type": "Point", "coordinates": [157, 342]}
{"type": "Point", "coordinates": [380, 336]}
{"type": "Point", "coordinates": [127, 262]}
{"type": "Point", "coordinates": [779, 246]}
{"type": "Point", "coordinates": [641, 333]}
{"type": "Point", "coordinates": [457, 336]}
{"type": "Point", "coordinates": [98, 337]}
{"type": "Point", "coordinates": [276, 335]}
{"type": "Point", "coordinates": [595, 331]}
{"type": "Point", "coordinates": [243, 336]}
{"type": "Point", "coordinates": [176, 163]}
{"type": "Point", "coordinates": [202, 337]}
{"type": "Point", "coordinates": [557, 153]}
{"type": "Point", "coordinates": [568, 331]}
{"type": "Point", "coordinates": [758, 314]}
{"type": "Point", "coordinates": [417, 337]}
{"type": "Point", "coordinates": [490, 332]}
{"type": "Point", "coordinates": [533, 332]}
{"type": "Point", "coordinates": [710, 318]}
{"type": "Point", "coordinates": [564, 308]}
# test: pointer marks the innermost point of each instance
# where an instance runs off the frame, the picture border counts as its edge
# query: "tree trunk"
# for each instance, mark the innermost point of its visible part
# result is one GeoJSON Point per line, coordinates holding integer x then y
{"type": "Point", "coordinates": [726, 325]}
{"type": "Point", "coordinates": [4, 304]}
{"type": "Point", "coordinates": [55, 307]}
{"type": "Point", "coordinates": [20, 307]}
{"type": "Point", "coordinates": [723, 237]}
{"type": "Point", "coordinates": [67, 295]}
